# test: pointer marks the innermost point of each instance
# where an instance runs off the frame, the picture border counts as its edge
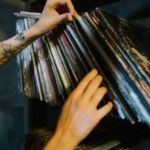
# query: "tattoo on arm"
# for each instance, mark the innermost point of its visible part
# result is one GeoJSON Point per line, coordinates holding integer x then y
{"type": "Point", "coordinates": [20, 36]}
{"type": "Point", "coordinates": [8, 51]}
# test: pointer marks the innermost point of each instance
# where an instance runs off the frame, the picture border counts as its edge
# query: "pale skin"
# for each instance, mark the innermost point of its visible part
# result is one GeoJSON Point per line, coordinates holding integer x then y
{"type": "Point", "coordinates": [79, 114]}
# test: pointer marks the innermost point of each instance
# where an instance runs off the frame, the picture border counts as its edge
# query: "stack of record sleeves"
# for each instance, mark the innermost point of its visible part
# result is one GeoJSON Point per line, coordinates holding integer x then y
{"type": "Point", "coordinates": [52, 66]}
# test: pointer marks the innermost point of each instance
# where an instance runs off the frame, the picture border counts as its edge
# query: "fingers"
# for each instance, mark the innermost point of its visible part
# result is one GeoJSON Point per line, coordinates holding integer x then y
{"type": "Point", "coordinates": [60, 18]}
{"type": "Point", "coordinates": [98, 96]}
{"type": "Point", "coordinates": [76, 14]}
{"type": "Point", "coordinates": [92, 87]}
{"type": "Point", "coordinates": [103, 111]}
{"type": "Point", "coordinates": [86, 80]}
{"type": "Point", "coordinates": [70, 7]}
{"type": "Point", "coordinates": [63, 6]}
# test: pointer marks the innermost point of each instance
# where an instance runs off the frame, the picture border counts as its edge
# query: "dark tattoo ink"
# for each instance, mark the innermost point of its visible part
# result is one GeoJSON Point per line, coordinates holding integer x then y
{"type": "Point", "coordinates": [20, 36]}
{"type": "Point", "coordinates": [8, 51]}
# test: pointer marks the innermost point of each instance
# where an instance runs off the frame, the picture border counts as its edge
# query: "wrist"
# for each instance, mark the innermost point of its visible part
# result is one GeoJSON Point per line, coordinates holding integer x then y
{"type": "Point", "coordinates": [32, 33]}
{"type": "Point", "coordinates": [37, 29]}
{"type": "Point", "coordinates": [61, 142]}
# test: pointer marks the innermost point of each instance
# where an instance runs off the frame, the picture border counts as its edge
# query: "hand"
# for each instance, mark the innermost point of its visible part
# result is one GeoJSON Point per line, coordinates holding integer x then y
{"type": "Point", "coordinates": [54, 12]}
{"type": "Point", "coordinates": [80, 114]}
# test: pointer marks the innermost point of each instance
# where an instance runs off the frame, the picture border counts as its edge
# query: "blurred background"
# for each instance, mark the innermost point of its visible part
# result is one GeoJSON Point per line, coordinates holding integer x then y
{"type": "Point", "coordinates": [15, 119]}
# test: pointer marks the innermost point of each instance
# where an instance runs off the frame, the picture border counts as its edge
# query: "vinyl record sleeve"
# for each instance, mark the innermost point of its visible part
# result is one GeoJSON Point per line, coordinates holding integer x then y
{"type": "Point", "coordinates": [86, 43]}
{"type": "Point", "coordinates": [60, 67]}
{"type": "Point", "coordinates": [131, 53]}
{"type": "Point", "coordinates": [36, 78]}
{"type": "Point", "coordinates": [116, 53]}
{"type": "Point", "coordinates": [64, 63]}
{"type": "Point", "coordinates": [139, 91]}
{"type": "Point", "coordinates": [81, 46]}
{"type": "Point", "coordinates": [115, 99]}
{"type": "Point", "coordinates": [49, 87]}
{"type": "Point", "coordinates": [26, 66]}
{"type": "Point", "coordinates": [77, 53]}
{"type": "Point", "coordinates": [116, 73]}
{"type": "Point", "coordinates": [58, 81]}
{"type": "Point", "coordinates": [67, 55]}
{"type": "Point", "coordinates": [71, 54]}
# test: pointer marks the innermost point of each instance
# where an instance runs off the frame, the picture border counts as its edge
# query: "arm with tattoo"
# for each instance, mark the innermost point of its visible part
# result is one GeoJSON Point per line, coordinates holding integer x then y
{"type": "Point", "coordinates": [51, 16]}
{"type": "Point", "coordinates": [14, 45]}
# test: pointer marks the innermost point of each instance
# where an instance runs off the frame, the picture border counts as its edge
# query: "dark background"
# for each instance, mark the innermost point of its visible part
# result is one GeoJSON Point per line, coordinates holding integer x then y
{"type": "Point", "coordinates": [13, 106]}
{"type": "Point", "coordinates": [14, 116]}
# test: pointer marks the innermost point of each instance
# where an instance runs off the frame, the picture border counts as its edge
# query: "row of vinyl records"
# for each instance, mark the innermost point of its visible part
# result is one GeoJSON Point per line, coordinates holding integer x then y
{"type": "Point", "coordinates": [52, 66]}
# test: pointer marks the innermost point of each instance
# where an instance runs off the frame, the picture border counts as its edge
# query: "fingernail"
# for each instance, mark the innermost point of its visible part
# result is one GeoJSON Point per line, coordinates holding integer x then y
{"type": "Point", "coordinates": [104, 89]}
{"type": "Point", "coordinates": [99, 77]}
{"type": "Point", "coordinates": [95, 71]}
{"type": "Point", "coordinates": [76, 14]}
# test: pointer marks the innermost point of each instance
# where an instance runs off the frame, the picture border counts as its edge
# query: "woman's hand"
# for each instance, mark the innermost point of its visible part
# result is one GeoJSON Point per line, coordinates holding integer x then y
{"type": "Point", "coordinates": [54, 12]}
{"type": "Point", "coordinates": [80, 114]}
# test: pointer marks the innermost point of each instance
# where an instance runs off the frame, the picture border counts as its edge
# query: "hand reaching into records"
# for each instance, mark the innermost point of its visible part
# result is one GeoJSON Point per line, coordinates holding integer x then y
{"type": "Point", "coordinates": [55, 12]}
{"type": "Point", "coordinates": [80, 114]}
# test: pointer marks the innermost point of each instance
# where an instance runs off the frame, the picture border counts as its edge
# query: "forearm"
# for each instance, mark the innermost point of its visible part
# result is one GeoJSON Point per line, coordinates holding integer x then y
{"type": "Point", "coordinates": [14, 45]}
